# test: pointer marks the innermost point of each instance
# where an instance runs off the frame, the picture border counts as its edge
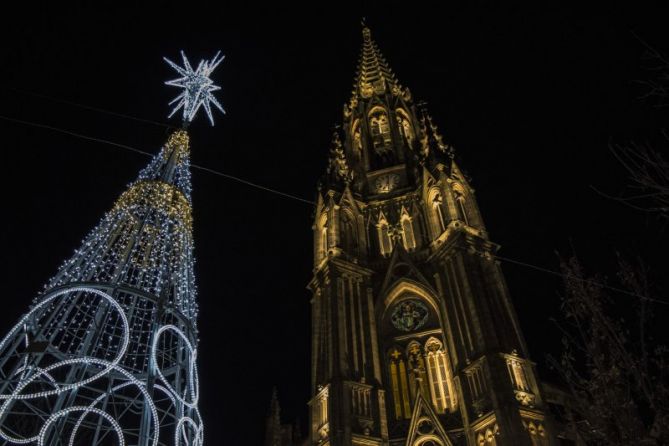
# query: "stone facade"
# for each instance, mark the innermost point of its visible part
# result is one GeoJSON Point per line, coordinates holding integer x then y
{"type": "Point", "coordinates": [415, 340]}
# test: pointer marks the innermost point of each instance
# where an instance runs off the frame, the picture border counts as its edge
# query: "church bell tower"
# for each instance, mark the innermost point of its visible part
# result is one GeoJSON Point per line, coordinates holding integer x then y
{"type": "Point", "coordinates": [414, 337]}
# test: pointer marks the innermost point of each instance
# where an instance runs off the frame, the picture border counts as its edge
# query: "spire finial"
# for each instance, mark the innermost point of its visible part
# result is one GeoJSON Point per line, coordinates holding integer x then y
{"type": "Point", "coordinates": [366, 32]}
{"type": "Point", "coordinates": [374, 76]}
{"type": "Point", "coordinates": [274, 402]}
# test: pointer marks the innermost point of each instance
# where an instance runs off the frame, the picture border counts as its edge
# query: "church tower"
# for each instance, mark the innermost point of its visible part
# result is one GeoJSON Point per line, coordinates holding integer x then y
{"type": "Point", "coordinates": [414, 337]}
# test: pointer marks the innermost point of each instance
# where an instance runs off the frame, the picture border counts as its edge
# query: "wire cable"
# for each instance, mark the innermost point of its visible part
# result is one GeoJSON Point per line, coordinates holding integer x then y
{"type": "Point", "coordinates": [133, 149]}
{"type": "Point", "coordinates": [303, 200]}
{"type": "Point", "coordinates": [87, 107]}
{"type": "Point", "coordinates": [589, 281]}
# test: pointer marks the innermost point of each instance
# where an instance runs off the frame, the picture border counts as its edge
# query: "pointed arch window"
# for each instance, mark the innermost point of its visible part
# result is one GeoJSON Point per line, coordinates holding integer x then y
{"type": "Point", "coordinates": [399, 384]}
{"type": "Point", "coordinates": [348, 235]}
{"type": "Point", "coordinates": [405, 127]}
{"type": "Point", "coordinates": [440, 375]}
{"type": "Point", "coordinates": [322, 237]}
{"type": "Point", "coordinates": [380, 128]}
{"type": "Point", "coordinates": [416, 370]}
{"type": "Point", "coordinates": [408, 236]}
{"type": "Point", "coordinates": [385, 244]}
{"type": "Point", "coordinates": [517, 374]}
{"type": "Point", "coordinates": [459, 194]}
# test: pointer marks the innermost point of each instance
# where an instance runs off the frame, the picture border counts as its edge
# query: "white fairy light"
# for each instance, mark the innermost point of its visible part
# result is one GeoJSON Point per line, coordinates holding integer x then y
{"type": "Point", "coordinates": [198, 88]}
{"type": "Point", "coordinates": [114, 314]}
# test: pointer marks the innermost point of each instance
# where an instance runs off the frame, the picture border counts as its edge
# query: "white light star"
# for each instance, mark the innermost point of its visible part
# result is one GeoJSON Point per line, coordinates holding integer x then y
{"type": "Point", "coordinates": [197, 87]}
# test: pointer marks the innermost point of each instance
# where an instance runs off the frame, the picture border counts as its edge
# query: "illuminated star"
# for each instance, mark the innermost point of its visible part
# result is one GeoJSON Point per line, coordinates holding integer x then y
{"type": "Point", "coordinates": [198, 88]}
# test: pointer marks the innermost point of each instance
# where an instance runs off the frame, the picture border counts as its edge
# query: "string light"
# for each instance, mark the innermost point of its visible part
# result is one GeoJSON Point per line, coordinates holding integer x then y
{"type": "Point", "coordinates": [198, 88]}
{"type": "Point", "coordinates": [120, 310]}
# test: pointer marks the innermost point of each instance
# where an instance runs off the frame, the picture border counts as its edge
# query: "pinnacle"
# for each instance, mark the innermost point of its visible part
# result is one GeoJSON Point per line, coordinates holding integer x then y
{"type": "Point", "coordinates": [373, 74]}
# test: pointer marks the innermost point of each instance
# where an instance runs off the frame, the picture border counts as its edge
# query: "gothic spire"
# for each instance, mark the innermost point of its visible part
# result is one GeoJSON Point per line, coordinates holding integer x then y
{"type": "Point", "coordinates": [373, 74]}
{"type": "Point", "coordinates": [433, 148]}
{"type": "Point", "coordinates": [273, 427]}
{"type": "Point", "coordinates": [338, 170]}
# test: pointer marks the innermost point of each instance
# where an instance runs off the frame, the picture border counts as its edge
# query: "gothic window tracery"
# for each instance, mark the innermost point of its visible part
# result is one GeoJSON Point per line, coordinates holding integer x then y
{"type": "Point", "coordinates": [517, 374]}
{"type": "Point", "coordinates": [380, 129]}
{"type": "Point", "coordinates": [439, 375]}
{"type": "Point", "coordinates": [399, 383]}
{"type": "Point", "coordinates": [409, 315]}
{"type": "Point", "coordinates": [476, 381]}
{"type": "Point", "coordinates": [408, 236]}
{"type": "Point", "coordinates": [383, 229]}
{"type": "Point", "coordinates": [322, 237]}
{"type": "Point", "coordinates": [405, 127]}
{"type": "Point", "coordinates": [459, 195]}
{"type": "Point", "coordinates": [348, 238]}
{"type": "Point", "coordinates": [416, 370]}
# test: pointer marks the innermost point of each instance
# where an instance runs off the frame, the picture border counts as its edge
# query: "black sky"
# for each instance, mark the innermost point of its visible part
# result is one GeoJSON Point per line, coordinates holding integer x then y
{"type": "Point", "coordinates": [530, 96]}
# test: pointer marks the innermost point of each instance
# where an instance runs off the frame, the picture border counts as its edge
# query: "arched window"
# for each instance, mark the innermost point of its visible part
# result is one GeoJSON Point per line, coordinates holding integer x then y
{"type": "Point", "coordinates": [417, 380]}
{"type": "Point", "coordinates": [404, 124]}
{"type": "Point", "coordinates": [380, 128]}
{"type": "Point", "coordinates": [439, 375]}
{"type": "Point", "coordinates": [399, 384]}
{"type": "Point", "coordinates": [348, 234]}
{"type": "Point", "coordinates": [408, 236]}
{"type": "Point", "coordinates": [459, 194]}
{"type": "Point", "coordinates": [517, 374]}
{"type": "Point", "coordinates": [385, 244]}
{"type": "Point", "coordinates": [322, 240]}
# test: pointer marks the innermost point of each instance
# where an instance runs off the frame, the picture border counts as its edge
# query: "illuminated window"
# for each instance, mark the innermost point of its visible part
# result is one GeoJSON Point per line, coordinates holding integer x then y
{"type": "Point", "coordinates": [404, 125]}
{"type": "Point", "coordinates": [439, 375]}
{"type": "Point", "coordinates": [380, 128]}
{"type": "Point", "coordinates": [385, 244]}
{"type": "Point", "coordinates": [407, 232]}
{"type": "Point", "coordinates": [460, 203]}
{"type": "Point", "coordinates": [399, 383]}
{"type": "Point", "coordinates": [416, 365]}
{"type": "Point", "coordinates": [322, 244]}
{"type": "Point", "coordinates": [517, 374]}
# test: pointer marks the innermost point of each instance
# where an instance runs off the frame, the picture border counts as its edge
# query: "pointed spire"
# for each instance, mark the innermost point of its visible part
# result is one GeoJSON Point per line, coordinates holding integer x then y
{"type": "Point", "coordinates": [274, 408]}
{"type": "Point", "coordinates": [273, 426]}
{"type": "Point", "coordinates": [432, 144]}
{"type": "Point", "coordinates": [338, 169]}
{"type": "Point", "coordinates": [373, 74]}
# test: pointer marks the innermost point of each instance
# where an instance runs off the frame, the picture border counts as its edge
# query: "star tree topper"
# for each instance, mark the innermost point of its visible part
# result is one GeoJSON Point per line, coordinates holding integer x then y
{"type": "Point", "coordinates": [198, 88]}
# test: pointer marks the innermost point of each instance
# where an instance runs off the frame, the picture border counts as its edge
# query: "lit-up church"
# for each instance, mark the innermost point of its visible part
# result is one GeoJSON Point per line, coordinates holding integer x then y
{"type": "Point", "coordinates": [415, 340]}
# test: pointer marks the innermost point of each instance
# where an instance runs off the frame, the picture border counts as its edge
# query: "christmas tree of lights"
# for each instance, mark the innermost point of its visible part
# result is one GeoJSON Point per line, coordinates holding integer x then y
{"type": "Point", "coordinates": [107, 353]}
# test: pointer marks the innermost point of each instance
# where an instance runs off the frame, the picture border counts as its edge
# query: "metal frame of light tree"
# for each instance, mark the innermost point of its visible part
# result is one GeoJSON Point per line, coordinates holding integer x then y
{"type": "Point", "coordinates": [107, 353]}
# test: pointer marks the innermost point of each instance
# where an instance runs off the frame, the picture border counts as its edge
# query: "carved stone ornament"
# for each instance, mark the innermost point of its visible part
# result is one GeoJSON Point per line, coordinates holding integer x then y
{"type": "Point", "coordinates": [525, 398]}
{"type": "Point", "coordinates": [366, 89]}
{"type": "Point", "coordinates": [337, 165]}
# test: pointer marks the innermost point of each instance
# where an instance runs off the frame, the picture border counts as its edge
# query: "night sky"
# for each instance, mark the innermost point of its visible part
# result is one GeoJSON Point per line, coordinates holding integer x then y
{"type": "Point", "coordinates": [530, 96]}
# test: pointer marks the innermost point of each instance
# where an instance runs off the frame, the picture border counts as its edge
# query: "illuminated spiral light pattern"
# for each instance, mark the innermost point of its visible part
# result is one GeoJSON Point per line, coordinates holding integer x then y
{"type": "Point", "coordinates": [107, 353]}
